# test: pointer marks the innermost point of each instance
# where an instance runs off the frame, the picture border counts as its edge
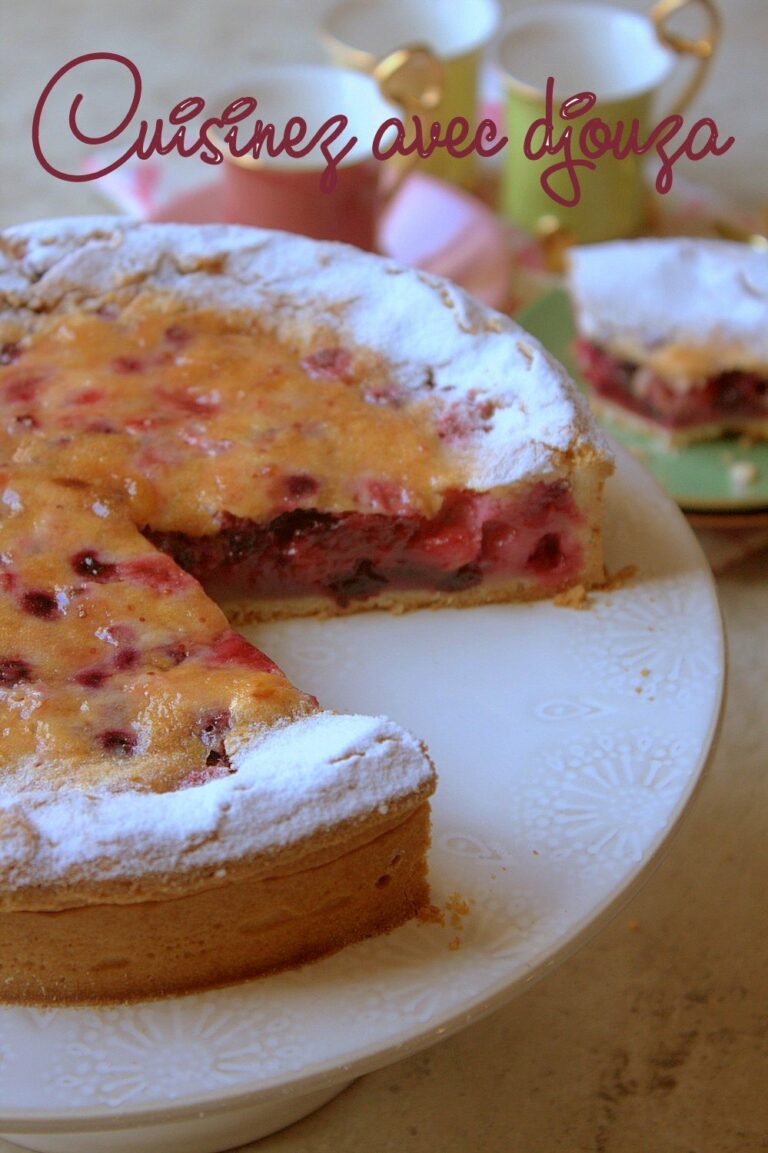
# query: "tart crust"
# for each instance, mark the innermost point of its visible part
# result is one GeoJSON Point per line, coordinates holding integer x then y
{"type": "Point", "coordinates": [250, 919]}
{"type": "Point", "coordinates": [323, 823]}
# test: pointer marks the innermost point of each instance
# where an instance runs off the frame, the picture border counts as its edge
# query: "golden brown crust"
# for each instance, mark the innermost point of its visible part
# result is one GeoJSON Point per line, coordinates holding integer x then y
{"type": "Point", "coordinates": [222, 933]}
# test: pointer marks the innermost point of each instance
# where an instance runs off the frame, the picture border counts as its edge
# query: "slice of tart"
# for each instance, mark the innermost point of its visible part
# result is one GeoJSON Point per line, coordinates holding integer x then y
{"type": "Point", "coordinates": [198, 416]}
{"type": "Point", "coordinates": [673, 334]}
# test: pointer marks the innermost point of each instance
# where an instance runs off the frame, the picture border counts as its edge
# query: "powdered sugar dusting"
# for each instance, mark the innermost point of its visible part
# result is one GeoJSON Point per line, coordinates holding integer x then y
{"type": "Point", "coordinates": [640, 297]}
{"type": "Point", "coordinates": [290, 783]}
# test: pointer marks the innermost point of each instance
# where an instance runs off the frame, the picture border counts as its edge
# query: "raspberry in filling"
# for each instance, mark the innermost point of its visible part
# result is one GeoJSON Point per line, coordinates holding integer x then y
{"type": "Point", "coordinates": [14, 672]}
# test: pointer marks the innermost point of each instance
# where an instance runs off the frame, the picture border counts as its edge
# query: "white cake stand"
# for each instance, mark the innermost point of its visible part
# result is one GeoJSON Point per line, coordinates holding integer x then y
{"type": "Point", "coordinates": [568, 745]}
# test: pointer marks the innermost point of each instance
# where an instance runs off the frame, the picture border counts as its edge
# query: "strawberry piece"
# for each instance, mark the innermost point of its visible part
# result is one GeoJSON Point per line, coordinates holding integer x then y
{"type": "Point", "coordinates": [454, 537]}
{"type": "Point", "coordinates": [231, 648]}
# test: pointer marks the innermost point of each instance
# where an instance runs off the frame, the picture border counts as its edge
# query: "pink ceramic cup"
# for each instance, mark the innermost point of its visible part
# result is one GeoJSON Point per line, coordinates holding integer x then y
{"type": "Point", "coordinates": [285, 192]}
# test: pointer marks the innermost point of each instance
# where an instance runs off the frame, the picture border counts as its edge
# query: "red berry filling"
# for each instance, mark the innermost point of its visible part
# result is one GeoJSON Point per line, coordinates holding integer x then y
{"type": "Point", "coordinates": [742, 395]}
{"type": "Point", "coordinates": [465, 418]}
{"type": "Point", "coordinates": [127, 365]}
{"type": "Point", "coordinates": [26, 420]}
{"type": "Point", "coordinates": [22, 388]}
{"type": "Point", "coordinates": [9, 351]}
{"type": "Point", "coordinates": [14, 672]}
{"type": "Point", "coordinates": [231, 648]}
{"type": "Point", "coordinates": [91, 678]}
{"type": "Point", "coordinates": [157, 573]}
{"type": "Point", "coordinates": [178, 335]}
{"type": "Point", "coordinates": [300, 486]}
{"type": "Point", "coordinates": [88, 564]}
{"type": "Point", "coordinates": [353, 556]}
{"type": "Point", "coordinates": [328, 364]}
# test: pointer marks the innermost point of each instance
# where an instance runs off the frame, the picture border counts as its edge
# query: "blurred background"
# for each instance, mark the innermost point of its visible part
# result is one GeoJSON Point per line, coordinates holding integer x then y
{"type": "Point", "coordinates": [654, 1038]}
{"type": "Point", "coordinates": [197, 47]}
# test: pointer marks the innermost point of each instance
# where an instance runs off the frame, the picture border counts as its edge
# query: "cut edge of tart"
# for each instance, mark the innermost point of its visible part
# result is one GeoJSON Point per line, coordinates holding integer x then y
{"type": "Point", "coordinates": [673, 335]}
{"type": "Point", "coordinates": [319, 821]}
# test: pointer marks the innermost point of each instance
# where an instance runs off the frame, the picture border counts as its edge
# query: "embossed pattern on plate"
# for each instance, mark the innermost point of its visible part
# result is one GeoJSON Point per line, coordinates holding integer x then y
{"type": "Point", "coordinates": [567, 742]}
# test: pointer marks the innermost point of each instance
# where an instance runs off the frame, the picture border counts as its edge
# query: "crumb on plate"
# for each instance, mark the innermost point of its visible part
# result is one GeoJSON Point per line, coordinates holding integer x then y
{"type": "Point", "coordinates": [573, 598]}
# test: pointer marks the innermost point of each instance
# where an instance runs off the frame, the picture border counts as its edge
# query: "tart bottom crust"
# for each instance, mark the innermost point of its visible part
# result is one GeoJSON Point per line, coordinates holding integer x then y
{"type": "Point", "coordinates": [237, 929]}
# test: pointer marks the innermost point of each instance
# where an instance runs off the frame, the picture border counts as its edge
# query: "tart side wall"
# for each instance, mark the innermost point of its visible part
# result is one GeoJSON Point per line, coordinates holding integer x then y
{"type": "Point", "coordinates": [110, 953]}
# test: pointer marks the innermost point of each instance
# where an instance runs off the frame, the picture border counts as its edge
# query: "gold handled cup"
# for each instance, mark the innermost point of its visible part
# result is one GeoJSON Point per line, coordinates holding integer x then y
{"type": "Point", "coordinates": [434, 50]}
{"type": "Point", "coordinates": [621, 56]}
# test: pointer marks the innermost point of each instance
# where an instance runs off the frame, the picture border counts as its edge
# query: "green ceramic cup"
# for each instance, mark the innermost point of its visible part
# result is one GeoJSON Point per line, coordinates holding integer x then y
{"type": "Point", "coordinates": [364, 34]}
{"type": "Point", "coordinates": [623, 57]}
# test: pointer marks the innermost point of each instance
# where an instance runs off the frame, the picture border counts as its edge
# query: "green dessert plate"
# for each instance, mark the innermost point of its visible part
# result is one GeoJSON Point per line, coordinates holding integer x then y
{"type": "Point", "coordinates": [700, 477]}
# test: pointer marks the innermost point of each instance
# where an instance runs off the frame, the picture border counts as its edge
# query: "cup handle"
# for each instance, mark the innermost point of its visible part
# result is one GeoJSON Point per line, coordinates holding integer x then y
{"type": "Point", "coordinates": [411, 78]}
{"type": "Point", "coordinates": [702, 49]}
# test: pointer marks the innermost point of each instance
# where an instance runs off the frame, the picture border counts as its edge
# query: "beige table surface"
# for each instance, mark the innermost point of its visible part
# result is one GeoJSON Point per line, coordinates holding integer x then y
{"type": "Point", "coordinates": [654, 1037]}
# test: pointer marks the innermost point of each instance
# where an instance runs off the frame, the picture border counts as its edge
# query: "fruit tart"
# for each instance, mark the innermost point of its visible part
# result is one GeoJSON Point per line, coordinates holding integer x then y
{"type": "Point", "coordinates": [203, 423]}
